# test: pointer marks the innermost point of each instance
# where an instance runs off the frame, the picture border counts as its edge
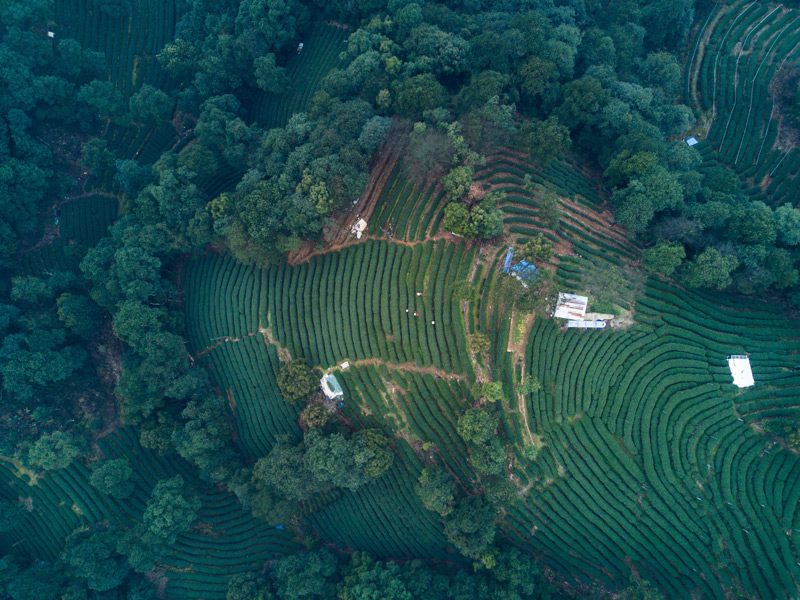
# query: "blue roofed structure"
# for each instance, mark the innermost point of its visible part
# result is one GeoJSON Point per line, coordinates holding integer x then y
{"type": "Point", "coordinates": [509, 257]}
{"type": "Point", "coordinates": [523, 270]}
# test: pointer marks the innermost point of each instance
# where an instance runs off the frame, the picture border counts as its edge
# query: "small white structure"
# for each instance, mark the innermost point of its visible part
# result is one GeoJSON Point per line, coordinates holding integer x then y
{"type": "Point", "coordinates": [299, 47]}
{"type": "Point", "coordinates": [359, 228]}
{"type": "Point", "coordinates": [51, 34]}
{"type": "Point", "coordinates": [571, 307]}
{"type": "Point", "coordinates": [345, 365]}
{"type": "Point", "coordinates": [740, 370]}
{"type": "Point", "coordinates": [691, 141]}
{"type": "Point", "coordinates": [596, 324]}
{"type": "Point", "coordinates": [330, 386]}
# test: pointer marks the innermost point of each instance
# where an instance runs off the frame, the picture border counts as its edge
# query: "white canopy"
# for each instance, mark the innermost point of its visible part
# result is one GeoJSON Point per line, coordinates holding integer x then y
{"type": "Point", "coordinates": [595, 324]}
{"type": "Point", "coordinates": [359, 228]}
{"type": "Point", "coordinates": [740, 370]}
{"type": "Point", "coordinates": [571, 307]}
{"type": "Point", "coordinates": [330, 386]}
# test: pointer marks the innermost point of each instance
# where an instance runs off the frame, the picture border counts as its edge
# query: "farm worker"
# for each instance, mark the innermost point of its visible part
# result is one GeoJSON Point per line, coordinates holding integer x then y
{"type": "Point", "coordinates": [406, 310]}
{"type": "Point", "coordinates": [415, 313]}
{"type": "Point", "coordinates": [419, 293]}
{"type": "Point", "coordinates": [433, 322]}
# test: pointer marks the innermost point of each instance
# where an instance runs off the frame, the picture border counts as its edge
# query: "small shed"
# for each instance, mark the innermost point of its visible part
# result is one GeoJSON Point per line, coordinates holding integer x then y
{"type": "Point", "coordinates": [345, 365]}
{"type": "Point", "coordinates": [571, 307]}
{"type": "Point", "coordinates": [359, 228]}
{"type": "Point", "coordinates": [300, 47]}
{"type": "Point", "coordinates": [691, 141]}
{"type": "Point", "coordinates": [330, 386]}
{"type": "Point", "coordinates": [595, 324]}
{"type": "Point", "coordinates": [523, 270]}
{"type": "Point", "coordinates": [740, 370]}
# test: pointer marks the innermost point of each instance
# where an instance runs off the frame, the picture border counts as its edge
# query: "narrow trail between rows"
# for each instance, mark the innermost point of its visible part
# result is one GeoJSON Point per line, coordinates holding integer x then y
{"type": "Point", "coordinates": [413, 367]}
{"type": "Point", "coordinates": [224, 340]}
{"type": "Point", "coordinates": [364, 362]}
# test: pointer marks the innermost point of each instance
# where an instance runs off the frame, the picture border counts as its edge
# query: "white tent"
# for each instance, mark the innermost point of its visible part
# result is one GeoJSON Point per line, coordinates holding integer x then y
{"type": "Point", "coordinates": [740, 370]}
{"type": "Point", "coordinates": [330, 386]}
{"type": "Point", "coordinates": [359, 228]}
{"type": "Point", "coordinates": [691, 141]}
{"type": "Point", "coordinates": [571, 307]}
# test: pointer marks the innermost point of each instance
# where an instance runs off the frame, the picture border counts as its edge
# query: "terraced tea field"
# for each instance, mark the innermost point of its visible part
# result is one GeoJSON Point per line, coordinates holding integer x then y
{"type": "Point", "coordinates": [226, 540]}
{"type": "Point", "coordinates": [646, 455]}
{"type": "Point", "coordinates": [85, 220]}
{"type": "Point", "coordinates": [649, 455]}
{"type": "Point", "coordinates": [735, 56]}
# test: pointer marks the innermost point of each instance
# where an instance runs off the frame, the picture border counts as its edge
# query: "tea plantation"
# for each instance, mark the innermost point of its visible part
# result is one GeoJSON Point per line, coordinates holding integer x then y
{"type": "Point", "coordinates": [648, 455]}
{"type": "Point", "coordinates": [736, 54]}
{"type": "Point", "coordinates": [615, 457]}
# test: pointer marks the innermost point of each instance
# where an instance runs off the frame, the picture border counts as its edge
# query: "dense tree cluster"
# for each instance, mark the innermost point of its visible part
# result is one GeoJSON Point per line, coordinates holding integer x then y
{"type": "Point", "coordinates": [318, 574]}
{"type": "Point", "coordinates": [295, 471]}
{"type": "Point", "coordinates": [296, 381]}
{"type": "Point", "coordinates": [40, 90]}
{"type": "Point", "coordinates": [44, 324]}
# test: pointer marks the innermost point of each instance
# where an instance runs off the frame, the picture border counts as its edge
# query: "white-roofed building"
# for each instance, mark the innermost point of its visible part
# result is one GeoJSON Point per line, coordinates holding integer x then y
{"type": "Point", "coordinates": [571, 307]}
{"type": "Point", "coordinates": [740, 370]}
{"type": "Point", "coordinates": [359, 228]}
{"type": "Point", "coordinates": [330, 386]}
{"type": "Point", "coordinates": [691, 141]}
{"type": "Point", "coordinates": [594, 324]}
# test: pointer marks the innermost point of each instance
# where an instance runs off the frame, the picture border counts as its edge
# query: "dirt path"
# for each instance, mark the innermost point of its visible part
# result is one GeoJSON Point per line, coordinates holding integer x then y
{"type": "Point", "coordinates": [353, 363]}
{"type": "Point", "coordinates": [225, 340]}
{"type": "Point", "coordinates": [339, 25]}
{"type": "Point", "coordinates": [414, 368]}
{"type": "Point", "coordinates": [305, 257]}
{"type": "Point", "coordinates": [522, 411]}
{"type": "Point", "coordinates": [378, 176]}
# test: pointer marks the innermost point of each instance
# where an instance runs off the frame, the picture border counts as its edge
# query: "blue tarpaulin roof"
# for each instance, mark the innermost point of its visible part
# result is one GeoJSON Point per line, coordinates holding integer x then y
{"type": "Point", "coordinates": [522, 270]}
{"type": "Point", "coordinates": [509, 256]}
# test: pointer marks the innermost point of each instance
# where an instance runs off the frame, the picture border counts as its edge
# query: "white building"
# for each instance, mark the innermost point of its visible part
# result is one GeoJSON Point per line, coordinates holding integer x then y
{"type": "Point", "coordinates": [596, 324]}
{"type": "Point", "coordinates": [571, 307]}
{"type": "Point", "coordinates": [359, 228]}
{"type": "Point", "coordinates": [330, 386]}
{"type": "Point", "coordinates": [740, 370]}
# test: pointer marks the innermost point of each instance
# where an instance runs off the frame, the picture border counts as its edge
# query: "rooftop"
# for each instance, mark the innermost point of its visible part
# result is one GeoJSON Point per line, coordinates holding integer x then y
{"type": "Point", "coordinates": [570, 306]}
{"type": "Point", "coordinates": [740, 370]}
{"type": "Point", "coordinates": [523, 270]}
{"type": "Point", "coordinates": [330, 386]}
